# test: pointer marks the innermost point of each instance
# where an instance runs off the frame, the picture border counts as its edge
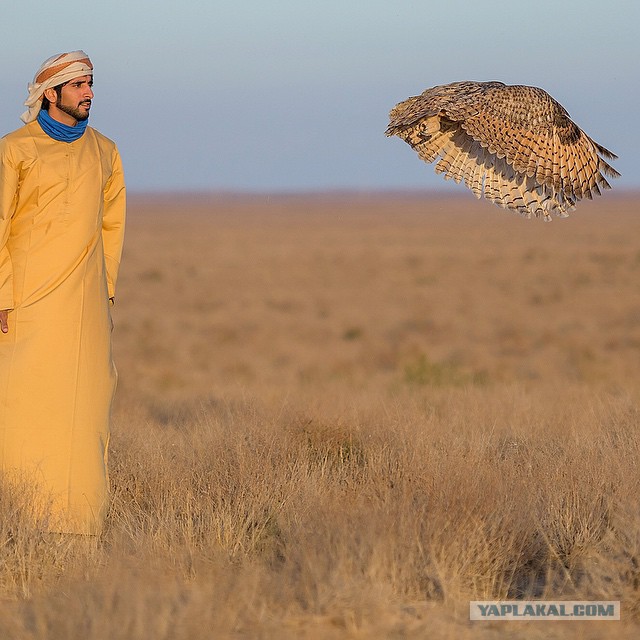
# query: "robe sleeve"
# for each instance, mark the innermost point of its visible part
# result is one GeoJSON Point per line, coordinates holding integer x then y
{"type": "Point", "coordinates": [8, 189]}
{"type": "Point", "coordinates": [113, 218]}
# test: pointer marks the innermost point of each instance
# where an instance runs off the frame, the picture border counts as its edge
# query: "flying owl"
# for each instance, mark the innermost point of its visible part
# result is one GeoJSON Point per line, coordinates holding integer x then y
{"type": "Point", "coordinates": [511, 144]}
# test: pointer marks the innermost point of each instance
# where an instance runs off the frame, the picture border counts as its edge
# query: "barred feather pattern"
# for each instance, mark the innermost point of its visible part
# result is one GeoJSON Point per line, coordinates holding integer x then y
{"type": "Point", "coordinates": [511, 144]}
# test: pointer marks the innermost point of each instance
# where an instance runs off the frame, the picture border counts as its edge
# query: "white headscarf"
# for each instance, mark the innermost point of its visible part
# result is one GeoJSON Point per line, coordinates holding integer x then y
{"type": "Point", "coordinates": [56, 70]}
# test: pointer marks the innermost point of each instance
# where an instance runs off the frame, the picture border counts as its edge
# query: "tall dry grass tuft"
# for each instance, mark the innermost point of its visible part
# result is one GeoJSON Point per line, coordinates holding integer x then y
{"type": "Point", "coordinates": [257, 519]}
{"type": "Point", "coordinates": [30, 557]}
{"type": "Point", "coordinates": [425, 507]}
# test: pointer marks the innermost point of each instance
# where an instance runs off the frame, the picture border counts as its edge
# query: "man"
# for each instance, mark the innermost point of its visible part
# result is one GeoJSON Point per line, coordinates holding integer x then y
{"type": "Point", "coordinates": [62, 210]}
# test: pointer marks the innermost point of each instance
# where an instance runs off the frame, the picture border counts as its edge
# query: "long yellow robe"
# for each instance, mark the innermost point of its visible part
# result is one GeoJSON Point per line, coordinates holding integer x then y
{"type": "Point", "coordinates": [62, 210]}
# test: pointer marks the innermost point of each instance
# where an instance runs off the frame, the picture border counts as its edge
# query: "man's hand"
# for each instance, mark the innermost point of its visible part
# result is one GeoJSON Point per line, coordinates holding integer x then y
{"type": "Point", "coordinates": [4, 321]}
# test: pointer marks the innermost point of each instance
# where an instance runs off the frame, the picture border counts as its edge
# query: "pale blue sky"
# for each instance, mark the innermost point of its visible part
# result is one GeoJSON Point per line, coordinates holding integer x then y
{"type": "Point", "coordinates": [294, 95]}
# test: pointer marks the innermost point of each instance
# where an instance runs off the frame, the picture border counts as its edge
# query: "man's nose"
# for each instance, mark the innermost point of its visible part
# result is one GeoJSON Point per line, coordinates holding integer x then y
{"type": "Point", "coordinates": [88, 93]}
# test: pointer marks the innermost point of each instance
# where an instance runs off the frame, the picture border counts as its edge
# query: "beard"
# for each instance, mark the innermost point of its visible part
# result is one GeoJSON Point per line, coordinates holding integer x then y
{"type": "Point", "coordinates": [74, 112]}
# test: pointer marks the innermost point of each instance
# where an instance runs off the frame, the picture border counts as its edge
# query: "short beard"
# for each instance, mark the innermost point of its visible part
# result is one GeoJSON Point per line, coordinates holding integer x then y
{"type": "Point", "coordinates": [74, 113]}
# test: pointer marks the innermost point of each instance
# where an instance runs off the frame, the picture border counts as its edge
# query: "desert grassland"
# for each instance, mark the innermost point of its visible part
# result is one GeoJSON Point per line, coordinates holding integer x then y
{"type": "Point", "coordinates": [345, 416]}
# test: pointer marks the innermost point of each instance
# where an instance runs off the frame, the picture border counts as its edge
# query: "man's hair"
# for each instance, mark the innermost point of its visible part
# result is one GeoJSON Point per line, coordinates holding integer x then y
{"type": "Point", "coordinates": [46, 102]}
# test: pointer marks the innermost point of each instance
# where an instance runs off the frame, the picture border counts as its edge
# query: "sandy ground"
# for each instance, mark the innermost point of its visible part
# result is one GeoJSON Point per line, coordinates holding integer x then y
{"type": "Point", "coordinates": [347, 415]}
{"type": "Point", "coordinates": [268, 294]}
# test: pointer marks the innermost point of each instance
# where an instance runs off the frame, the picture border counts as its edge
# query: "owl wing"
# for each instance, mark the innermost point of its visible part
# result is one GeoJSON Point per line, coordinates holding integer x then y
{"type": "Point", "coordinates": [514, 145]}
{"type": "Point", "coordinates": [534, 133]}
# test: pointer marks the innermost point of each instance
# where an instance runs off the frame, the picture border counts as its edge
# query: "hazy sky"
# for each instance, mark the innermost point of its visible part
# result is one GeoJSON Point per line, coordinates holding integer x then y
{"type": "Point", "coordinates": [295, 94]}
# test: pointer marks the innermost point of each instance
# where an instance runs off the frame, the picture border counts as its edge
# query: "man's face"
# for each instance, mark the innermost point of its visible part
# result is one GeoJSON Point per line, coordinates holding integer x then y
{"type": "Point", "coordinates": [75, 97]}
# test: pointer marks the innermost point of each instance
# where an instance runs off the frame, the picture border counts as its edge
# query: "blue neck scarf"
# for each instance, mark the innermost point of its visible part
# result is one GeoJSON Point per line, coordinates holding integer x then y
{"type": "Point", "coordinates": [58, 130]}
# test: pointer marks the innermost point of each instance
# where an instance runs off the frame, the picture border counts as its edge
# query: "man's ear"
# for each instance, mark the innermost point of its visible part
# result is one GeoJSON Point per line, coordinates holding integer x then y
{"type": "Point", "coordinates": [50, 95]}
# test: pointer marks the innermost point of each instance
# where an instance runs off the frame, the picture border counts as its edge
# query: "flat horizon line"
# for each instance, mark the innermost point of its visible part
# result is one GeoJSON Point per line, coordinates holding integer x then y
{"type": "Point", "coordinates": [223, 194]}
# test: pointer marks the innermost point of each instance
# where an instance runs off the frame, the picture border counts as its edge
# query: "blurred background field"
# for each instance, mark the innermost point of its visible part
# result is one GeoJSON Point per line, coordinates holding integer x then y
{"type": "Point", "coordinates": [347, 415]}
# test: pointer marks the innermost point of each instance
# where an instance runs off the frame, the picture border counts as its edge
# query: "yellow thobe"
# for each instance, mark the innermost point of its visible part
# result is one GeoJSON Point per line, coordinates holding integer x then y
{"type": "Point", "coordinates": [62, 210]}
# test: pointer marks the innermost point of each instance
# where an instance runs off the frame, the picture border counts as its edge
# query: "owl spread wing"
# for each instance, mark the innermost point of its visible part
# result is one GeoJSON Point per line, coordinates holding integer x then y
{"type": "Point", "coordinates": [513, 145]}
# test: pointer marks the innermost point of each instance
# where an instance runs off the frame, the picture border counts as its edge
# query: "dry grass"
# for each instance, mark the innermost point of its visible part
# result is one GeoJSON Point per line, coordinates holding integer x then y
{"type": "Point", "coordinates": [345, 417]}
